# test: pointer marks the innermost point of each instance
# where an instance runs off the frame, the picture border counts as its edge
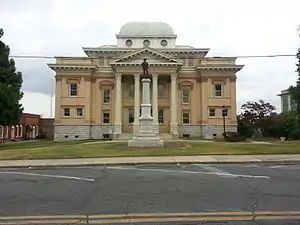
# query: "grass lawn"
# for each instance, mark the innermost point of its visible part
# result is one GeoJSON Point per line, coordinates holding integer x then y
{"type": "Point", "coordinates": [54, 150]}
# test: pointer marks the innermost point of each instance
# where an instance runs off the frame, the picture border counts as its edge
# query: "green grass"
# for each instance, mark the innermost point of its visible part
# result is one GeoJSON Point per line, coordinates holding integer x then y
{"type": "Point", "coordinates": [54, 150]}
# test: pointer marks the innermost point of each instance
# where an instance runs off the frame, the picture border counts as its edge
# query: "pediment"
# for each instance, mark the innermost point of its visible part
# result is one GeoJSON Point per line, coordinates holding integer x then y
{"type": "Point", "coordinates": [152, 56]}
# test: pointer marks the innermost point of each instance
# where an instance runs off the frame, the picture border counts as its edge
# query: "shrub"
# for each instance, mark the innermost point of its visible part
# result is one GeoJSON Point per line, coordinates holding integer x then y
{"type": "Point", "coordinates": [233, 137]}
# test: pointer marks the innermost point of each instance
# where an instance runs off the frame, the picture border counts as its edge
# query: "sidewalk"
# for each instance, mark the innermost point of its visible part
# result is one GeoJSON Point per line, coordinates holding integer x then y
{"type": "Point", "coordinates": [47, 163]}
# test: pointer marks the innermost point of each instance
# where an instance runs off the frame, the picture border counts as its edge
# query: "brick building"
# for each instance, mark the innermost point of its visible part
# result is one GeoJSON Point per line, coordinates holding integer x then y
{"type": "Point", "coordinates": [27, 128]}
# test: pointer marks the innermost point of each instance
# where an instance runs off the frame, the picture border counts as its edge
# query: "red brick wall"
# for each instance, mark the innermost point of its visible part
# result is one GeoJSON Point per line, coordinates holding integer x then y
{"type": "Point", "coordinates": [30, 119]}
{"type": "Point", "coordinates": [47, 127]}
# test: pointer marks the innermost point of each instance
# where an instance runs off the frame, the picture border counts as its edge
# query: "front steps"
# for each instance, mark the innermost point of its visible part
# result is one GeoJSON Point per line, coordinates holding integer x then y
{"type": "Point", "coordinates": [128, 136]}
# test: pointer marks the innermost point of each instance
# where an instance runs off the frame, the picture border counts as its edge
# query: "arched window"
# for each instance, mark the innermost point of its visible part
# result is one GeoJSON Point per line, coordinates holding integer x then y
{"type": "Point", "coordinates": [17, 131]}
{"type": "Point", "coordinates": [161, 91]}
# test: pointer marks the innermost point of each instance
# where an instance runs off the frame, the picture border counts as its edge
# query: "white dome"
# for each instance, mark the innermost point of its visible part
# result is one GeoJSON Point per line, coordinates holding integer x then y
{"type": "Point", "coordinates": [146, 29]}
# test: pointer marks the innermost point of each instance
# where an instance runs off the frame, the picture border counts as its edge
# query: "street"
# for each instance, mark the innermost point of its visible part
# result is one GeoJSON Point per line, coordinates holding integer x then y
{"type": "Point", "coordinates": [152, 194]}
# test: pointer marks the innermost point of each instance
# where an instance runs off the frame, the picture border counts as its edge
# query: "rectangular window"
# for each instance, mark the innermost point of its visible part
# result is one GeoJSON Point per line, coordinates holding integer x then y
{"type": "Point", "coordinates": [160, 116]}
{"type": "Point", "coordinates": [185, 117]}
{"type": "Point", "coordinates": [218, 90]}
{"type": "Point", "coordinates": [106, 118]}
{"type": "Point", "coordinates": [130, 116]}
{"type": "Point", "coordinates": [161, 91]}
{"type": "Point", "coordinates": [212, 112]}
{"type": "Point", "coordinates": [106, 95]}
{"type": "Point", "coordinates": [66, 111]}
{"type": "Point", "coordinates": [79, 112]}
{"type": "Point", "coordinates": [185, 95]}
{"type": "Point", "coordinates": [73, 89]}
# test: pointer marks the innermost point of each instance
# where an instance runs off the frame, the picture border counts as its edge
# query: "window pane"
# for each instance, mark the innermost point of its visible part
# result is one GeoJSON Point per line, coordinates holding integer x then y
{"type": "Point", "coordinates": [130, 115]}
{"type": "Point", "coordinates": [66, 112]}
{"type": "Point", "coordinates": [79, 112]}
{"type": "Point", "coordinates": [106, 117]}
{"type": "Point", "coordinates": [212, 112]}
{"type": "Point", "coordinates": [160, 116]}
{"type": "Point", "coordinates": [73, 89]}
{"type": "Point", "coordinates": [106, 95]}
{"type": "Point", "coordinates": [185, 118]}
{"type": "Point", "coordinates": [131, 91]}
{"type": "Point", "coordinates": [186, 95]}
{"type": "Point", "coordinates": [161, 91]}
{"type": "Point", "coordinates": [218, 90]}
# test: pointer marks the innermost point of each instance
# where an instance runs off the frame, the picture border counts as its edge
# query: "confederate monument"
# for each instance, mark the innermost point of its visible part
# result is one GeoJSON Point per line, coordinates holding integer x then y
{"type": "Point", "coordinates": [146, 137]}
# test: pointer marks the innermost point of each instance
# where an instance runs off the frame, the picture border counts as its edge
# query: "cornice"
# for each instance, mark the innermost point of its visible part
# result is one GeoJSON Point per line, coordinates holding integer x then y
{"type": "Point", "coordinates": [152, 65]}
{"type": "Point", "coordinates": [71, 68]}
{"type": "Point", "coordinates": [233, 68]}
{"type": "Point", "coordinates": [94, 52]}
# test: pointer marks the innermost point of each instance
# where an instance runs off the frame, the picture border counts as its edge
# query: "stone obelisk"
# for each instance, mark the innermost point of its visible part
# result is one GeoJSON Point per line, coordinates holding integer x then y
{"type": "Point", "coordinates": [146, 136]}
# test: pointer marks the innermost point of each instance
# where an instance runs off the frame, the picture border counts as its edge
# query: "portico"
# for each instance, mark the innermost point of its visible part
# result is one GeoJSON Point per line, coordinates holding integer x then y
{"type": "Point", "coordinates": [164, 111]}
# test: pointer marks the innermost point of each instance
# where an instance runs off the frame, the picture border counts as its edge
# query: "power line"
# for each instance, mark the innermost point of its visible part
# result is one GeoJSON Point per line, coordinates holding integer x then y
{"type": "Point", "coordinates": [240, 56]}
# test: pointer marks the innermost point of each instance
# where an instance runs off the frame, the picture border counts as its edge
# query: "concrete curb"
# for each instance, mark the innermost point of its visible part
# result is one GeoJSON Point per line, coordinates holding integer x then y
{"type": "Point", "coordinates": [283, 162]}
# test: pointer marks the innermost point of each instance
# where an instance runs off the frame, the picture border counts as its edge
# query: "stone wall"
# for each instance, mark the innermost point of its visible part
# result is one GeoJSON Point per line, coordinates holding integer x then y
{"type": "Point", "coordinates": [200, 130]}
{"type": "Point", "coordinates": [84, 132]}
{"type": "Point", "coordinates": [80, 132]}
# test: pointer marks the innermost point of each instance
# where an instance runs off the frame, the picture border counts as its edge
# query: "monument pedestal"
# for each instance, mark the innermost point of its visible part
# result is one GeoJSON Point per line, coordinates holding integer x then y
{"type": "Point", "coordinates": [146, 136]}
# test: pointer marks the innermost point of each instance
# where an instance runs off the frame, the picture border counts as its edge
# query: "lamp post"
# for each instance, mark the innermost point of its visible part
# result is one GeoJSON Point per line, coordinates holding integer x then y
{"type": "Point", "coordinates": [224, 113]}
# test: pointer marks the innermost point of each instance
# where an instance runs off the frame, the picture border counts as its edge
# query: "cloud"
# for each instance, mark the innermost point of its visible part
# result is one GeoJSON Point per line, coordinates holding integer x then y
{"type": "Point", "coordinates": [33, 101]}
{"type": "Point", "coordinates": [228, 28]}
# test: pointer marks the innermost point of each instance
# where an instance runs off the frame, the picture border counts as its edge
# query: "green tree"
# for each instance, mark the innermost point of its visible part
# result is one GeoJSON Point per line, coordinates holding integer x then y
{"type": "Point", "coordinates": [10, 88]}
{"type": "Point", "coordinates": [295, 90]}
{"type": "Point", "coordinates": [291, 125]}
{"type": "Point", "coordinates": [255, 115]}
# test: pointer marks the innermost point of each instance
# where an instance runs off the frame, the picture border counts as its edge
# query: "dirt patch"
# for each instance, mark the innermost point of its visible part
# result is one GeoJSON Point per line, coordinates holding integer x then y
{"type": "Point", "coordinates": [167, 145]}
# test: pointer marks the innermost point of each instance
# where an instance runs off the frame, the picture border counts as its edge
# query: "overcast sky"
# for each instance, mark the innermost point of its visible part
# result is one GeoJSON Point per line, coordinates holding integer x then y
{"type": "Point", "coordinates": [228, 28]}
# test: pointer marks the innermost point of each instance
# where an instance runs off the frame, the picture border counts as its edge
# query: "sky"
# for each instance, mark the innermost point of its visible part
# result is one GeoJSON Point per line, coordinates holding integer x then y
{"type": "Point", "coordinates": [228, 28]}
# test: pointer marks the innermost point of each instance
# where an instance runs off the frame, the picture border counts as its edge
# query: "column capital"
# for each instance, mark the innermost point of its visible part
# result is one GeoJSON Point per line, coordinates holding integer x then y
{"type": "Point", "coordinates": [174, 76]}
{"type": "Point", "coordinates": [137, 76]}
{"type": "Point", "coordinates": [118, 75]}
{"type": "Point", "coordinates": [155, 75]}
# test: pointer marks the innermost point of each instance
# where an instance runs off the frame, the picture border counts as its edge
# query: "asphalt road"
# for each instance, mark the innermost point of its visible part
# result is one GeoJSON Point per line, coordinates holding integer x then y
{"type": "Point", "coordinates": [153, 194]}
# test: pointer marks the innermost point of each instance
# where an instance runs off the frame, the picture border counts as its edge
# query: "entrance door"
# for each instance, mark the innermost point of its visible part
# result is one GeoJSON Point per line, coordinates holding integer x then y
{"type": "Point", "coordinates": [163, 121]}
{"type": "Point", "coordinates": [128, 120]}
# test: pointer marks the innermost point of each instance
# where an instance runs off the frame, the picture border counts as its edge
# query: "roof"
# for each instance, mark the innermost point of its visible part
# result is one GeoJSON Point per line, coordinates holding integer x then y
{"type": "Point", "coordinates": [146, 29]}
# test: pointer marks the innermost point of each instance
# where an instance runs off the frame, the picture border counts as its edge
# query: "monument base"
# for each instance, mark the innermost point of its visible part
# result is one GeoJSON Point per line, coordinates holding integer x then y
{"type": "Point", "coordinates": [146, 136]}
{"type": "Point", "coordinates": [145, 142]}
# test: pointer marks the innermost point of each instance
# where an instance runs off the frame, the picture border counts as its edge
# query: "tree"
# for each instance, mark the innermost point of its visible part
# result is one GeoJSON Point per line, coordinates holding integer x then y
{"type": "Point", "coordinates": [256, 115]}
{"type": "Point", "coordinates": [295, 90]}
{"type": "Point", "coordinates": [291, 125]}
{"type": "Point", "coordinates": [10, 88]}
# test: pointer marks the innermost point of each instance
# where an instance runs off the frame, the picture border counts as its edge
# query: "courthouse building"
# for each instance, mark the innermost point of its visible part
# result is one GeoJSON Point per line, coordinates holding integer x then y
{"type": "Point", "coordinates": [100, 94]}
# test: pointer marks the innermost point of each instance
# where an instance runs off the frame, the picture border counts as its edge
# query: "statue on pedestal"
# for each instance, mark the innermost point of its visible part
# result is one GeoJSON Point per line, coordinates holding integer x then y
{"type": "Point", "coordinates": [145, 66]}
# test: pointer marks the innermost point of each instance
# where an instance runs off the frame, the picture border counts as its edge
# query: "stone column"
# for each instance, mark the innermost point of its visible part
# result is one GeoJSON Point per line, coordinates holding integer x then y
{"type": "Point", "coordinates": [136, 103]}
{"type": "Point", "coordinates": [174, 129]}
{"type": "Point", "coordinates": [155, 103]}
{"type": "Point", "coordinates": [118, 105]}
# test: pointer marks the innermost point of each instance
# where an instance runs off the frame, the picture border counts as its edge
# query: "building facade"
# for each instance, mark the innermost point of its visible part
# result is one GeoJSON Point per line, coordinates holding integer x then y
{"type": "Point", "coordinates": [287, 103]}
{"type": "Point", "coordinates": [101, 94]}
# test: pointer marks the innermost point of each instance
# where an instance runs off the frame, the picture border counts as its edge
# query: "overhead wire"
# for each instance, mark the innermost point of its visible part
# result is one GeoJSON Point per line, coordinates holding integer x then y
{"type": "Point", "coordinates": [239, 56]}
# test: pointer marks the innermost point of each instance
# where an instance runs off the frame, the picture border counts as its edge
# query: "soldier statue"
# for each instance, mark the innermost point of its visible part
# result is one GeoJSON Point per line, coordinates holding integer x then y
{"type": "Point", "coordinates": [145, 66]}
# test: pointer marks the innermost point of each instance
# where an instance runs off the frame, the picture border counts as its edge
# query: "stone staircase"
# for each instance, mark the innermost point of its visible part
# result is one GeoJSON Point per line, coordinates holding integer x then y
{"type": "Point", "coordinates": [128, 136]}
{"type": "Point", "coordinates": [125, 136]}
{"type": "Point", "coordinates": [166, 136]}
